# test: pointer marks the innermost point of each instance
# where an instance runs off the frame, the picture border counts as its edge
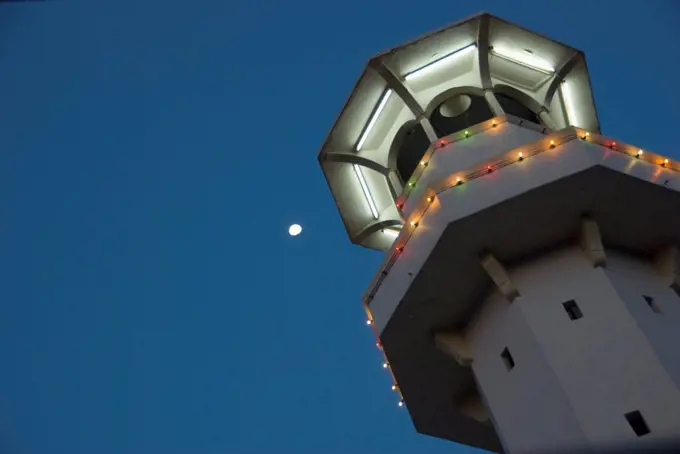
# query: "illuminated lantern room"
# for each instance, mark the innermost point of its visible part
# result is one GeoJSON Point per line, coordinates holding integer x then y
{"type": "Point", "coordinates": [411, 96]}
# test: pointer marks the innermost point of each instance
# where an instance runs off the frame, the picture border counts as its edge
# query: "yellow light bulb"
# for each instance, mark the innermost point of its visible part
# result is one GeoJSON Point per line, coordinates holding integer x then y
{"type": "Point", "coordinates": [423, 163]}
{"type": "Point", "coordinates": [520, 155]}
{"type": "Point", "coordinates": [665, 162]}
{"type": "Point", "coordinates": [429, 199]}
{"type": "Point", "coordinates": [639, 152]}
{"type": "Point", "coordinates": [493, 123]}
{"type": "Point", "coordinates": [552, 143]}
{"type": "Point", "coordinates": [394, 387]}
{"type": "Point", "coordinates": [414, 223]}
{"type": "Point", "coordinates": [458, 180]}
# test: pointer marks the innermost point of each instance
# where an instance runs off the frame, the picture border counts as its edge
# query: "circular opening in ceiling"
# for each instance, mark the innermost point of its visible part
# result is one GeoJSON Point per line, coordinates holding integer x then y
{"type": "Point", "coordinates": [454, 106]}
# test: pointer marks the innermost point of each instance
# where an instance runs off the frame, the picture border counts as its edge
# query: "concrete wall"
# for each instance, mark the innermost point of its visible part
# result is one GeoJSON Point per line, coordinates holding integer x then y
{"type": "Point", "coordinates": [574, 380]}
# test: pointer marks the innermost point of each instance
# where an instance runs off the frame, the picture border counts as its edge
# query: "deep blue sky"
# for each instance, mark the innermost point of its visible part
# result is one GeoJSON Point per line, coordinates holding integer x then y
{"type": "Point", "coordinates": [152, 155]}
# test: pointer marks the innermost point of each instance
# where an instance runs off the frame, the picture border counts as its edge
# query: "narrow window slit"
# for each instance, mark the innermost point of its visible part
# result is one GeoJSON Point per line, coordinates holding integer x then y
{"type": "Point", "coordinates": [572, 309]}
{"type": "Point", "coordinates": [652, 304]}
{"type": "Point", "coordinates": [637, 423]}
{"type": "Point", "coordinates": [507, 359]}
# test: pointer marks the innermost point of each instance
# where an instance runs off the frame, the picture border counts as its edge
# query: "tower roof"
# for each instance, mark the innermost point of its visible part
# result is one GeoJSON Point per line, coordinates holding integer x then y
{"type": "Point", "coordinates": [393, 106]}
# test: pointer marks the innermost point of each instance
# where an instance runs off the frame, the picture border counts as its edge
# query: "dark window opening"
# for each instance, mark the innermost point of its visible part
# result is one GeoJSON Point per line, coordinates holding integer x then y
{"type": "Point", "coordinates": [652, 304]}
{"type": "Point", "coordinates": [572, 309]}
{"type": "Point", "coordinates": [637, 423]}
{"type": "Point", "coordinates": [507, 359]}
{"type": "Point", "coordinates": [515, 108]}
{"type": "Point", "coordinates": [411, 148]}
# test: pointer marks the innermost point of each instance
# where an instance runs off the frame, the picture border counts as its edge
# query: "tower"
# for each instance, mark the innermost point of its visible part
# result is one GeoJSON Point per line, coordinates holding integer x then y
{"type": "Point", "coordinates": [529, 298]}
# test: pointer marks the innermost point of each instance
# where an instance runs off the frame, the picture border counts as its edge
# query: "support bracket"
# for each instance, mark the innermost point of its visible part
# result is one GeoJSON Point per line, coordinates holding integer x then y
{"type": "Point", "coordinates": [591, 242]}
{"type": "Point", "coordinates": [667, 262]}
{"type": "Point", "coordinates": [454, 345]}
{"type": "Point", "coordinates": [499, 276]}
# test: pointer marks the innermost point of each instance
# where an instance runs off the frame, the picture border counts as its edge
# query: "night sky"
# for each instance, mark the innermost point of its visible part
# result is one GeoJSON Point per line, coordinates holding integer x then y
{"type": "Point", "coordinates": [152, 156]}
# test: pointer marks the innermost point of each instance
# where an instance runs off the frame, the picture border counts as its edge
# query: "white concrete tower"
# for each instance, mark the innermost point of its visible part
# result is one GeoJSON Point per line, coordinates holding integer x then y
{"type": "Point", "coordinates": [529, 299]}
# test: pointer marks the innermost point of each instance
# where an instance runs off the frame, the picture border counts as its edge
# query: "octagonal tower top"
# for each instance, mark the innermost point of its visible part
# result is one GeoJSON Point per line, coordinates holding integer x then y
{"type": "Point", "coordinates": [414, 95]}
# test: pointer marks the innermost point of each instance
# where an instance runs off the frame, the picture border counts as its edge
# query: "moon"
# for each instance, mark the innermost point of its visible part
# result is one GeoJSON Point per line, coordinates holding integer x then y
{"type": "Point", "coordinates": [294, 230]}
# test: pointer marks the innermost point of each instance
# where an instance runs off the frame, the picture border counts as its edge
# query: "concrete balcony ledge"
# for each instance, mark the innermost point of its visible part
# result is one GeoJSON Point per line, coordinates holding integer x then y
{"type": "Point", "coordinates": [433, 279]}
